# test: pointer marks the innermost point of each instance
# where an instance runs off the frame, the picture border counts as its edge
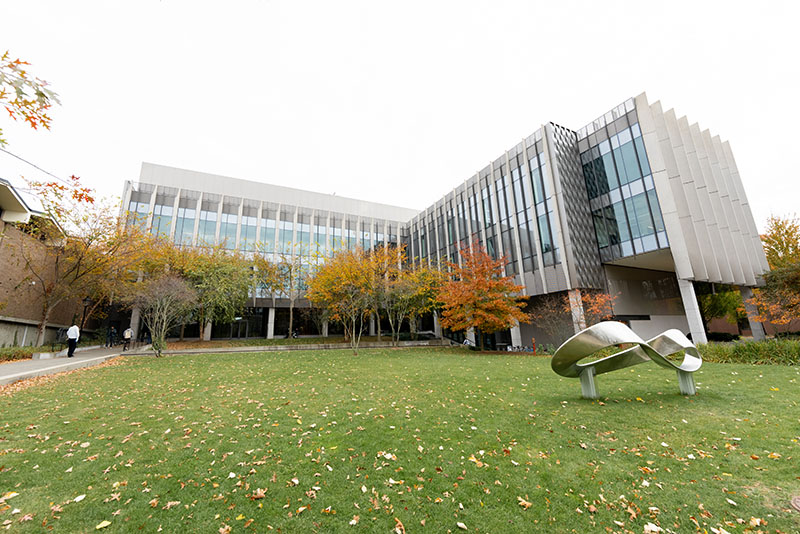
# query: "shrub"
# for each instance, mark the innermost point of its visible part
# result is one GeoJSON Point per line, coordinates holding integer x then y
{"type": "Point", "coordinates": [15, 353]}
{"type": "Point", "coordinates": [722, 336]}
{"type": "Point", "coordinates": [771, 351]}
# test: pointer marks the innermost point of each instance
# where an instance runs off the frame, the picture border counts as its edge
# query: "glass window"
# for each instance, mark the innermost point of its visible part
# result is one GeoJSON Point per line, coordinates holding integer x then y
{"type": "Point", "coordinates": [247, 239]}
{"type": "Point", "coordinates": [622, 225]}
{"type": "Point", "coordinates": [162, 215]}
{"type": "Point", "coordinates": [207, 229]}
{"type": "Point", "coordinates": [303, 234]}
{"type": "Point", "coordinates": [227, 229]}
{"type": "Point", "coordinates": [184, 226]}
{"type": "Point", "coordinates": [285, 232]}
{"type": "Point", "coordinates": [267, 237]}
{"type": "Point", "coordinates": [642, 155]}
{"type": "Point", "coordinates": [536, 181]}
{"type": "Point", "coordinates": [600, 228]}
{"type": "Point", "coordinates": [656, 209]}
{"type": "Point", "coordinates": [643, 218]}
{"type": "Point", "coordinates": [609, 171]}
{"type": "Point", "coordinates": [628, 154]}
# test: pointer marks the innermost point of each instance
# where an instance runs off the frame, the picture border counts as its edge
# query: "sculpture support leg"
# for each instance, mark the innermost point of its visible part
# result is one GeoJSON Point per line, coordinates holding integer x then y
{"type": "Point", "coordinates": [686, 383]}
{"type": "Point", "coordinates": [588, 385]}
{"type": "Point", "coordinates": [755, 327]}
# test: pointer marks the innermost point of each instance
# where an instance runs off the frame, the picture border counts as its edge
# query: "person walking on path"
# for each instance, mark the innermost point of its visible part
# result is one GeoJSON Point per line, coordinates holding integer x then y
{"type": "Point", "coordinates": [126, 338]}
{"type": "Point", "coordinates": [73, 334]}
{"type": "Point", "coordinates": [111, 334]}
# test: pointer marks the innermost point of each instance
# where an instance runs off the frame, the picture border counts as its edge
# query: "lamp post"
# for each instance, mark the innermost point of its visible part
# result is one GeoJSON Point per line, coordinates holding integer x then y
{"type": "Point", "coordinates": [87, 301]}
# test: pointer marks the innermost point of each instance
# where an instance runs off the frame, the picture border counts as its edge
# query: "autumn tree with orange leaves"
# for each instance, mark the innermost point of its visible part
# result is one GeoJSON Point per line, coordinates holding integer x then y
{"type": "Point", "coordinates": [479, 296]}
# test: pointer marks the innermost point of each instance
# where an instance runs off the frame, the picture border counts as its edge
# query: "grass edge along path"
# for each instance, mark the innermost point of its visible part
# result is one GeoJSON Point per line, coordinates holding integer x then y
{"type": "Point", "coordinates": [430, 438]}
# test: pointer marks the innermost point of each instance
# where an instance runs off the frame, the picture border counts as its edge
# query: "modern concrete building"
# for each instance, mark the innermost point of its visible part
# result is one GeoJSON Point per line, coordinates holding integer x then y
{"type": "Point", "coordinates": [639, 203]}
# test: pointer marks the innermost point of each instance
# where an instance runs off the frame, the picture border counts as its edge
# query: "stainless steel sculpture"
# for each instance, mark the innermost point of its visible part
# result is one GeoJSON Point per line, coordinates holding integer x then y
{"type": "Point", "coordinates": [610, 333]}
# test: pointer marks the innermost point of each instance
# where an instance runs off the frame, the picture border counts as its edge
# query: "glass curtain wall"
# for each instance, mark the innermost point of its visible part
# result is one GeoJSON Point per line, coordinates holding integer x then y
{"type": "Point", "coordinates": [503, 189]}
{"type": "Point", "coordinates": [489, 212]}
{"type": "Point", "coordinates": [320, 234]}
{"type": "Point", "coordinates": [207, 227]}
{"type": "Point", "coordinates": [247, 237]}
{"type": "Point", "coordinates": [286, 232]}
{"type": "Point", "coordinates": [267, 237]}
{"type": "Point", "coordinates": [303, 235]}
{"type": "Point", "coordinates": [184, 222]}
{"type": "Point", "coordinates": [336, 232]}
{"type": "Point", "coordinates": [543, 202]}
{"type": "Point", "coordinates": [228, 223]}
{"type": "Point", "coordinates": [364, 234]}
{"type": "Point", "coordinates": [139, 208]}
{"type": "Point", "coordinates": [525, 212]}
{"type": "Point", "coordinates": [625, 210]}
{"type": "Point", "coordinates": [162, 215]}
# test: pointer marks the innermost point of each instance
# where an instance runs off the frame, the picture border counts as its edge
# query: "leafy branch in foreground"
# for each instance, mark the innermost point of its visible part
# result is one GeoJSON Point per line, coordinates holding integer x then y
{"type": "Point", "coordinates": [24, 96]}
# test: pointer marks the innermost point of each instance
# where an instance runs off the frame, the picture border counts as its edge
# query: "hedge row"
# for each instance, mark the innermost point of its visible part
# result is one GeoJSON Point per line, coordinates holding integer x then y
{"type": "Point", "coordinates": [770, 351]}
{"type": "Point", "coordinates": [16, 353]}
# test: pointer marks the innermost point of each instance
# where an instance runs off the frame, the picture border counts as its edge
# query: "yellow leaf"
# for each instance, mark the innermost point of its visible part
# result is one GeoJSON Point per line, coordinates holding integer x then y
{"type": "Point", "coordinates": [102, 524]}
{"type": "Point", "coordinates": [240, 517]}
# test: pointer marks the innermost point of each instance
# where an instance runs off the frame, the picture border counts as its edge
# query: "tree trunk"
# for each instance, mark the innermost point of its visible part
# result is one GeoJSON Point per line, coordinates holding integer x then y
{"type": "Point", "coordinates": [41, 329]}
{"type": "Point", "coordinates": [378, 324]}
{"type": "Point", "coordinates": [183, 327]}
{"type": "Point", "coordinates": [480, 337]}
{"type": "Point", "coordinates": [291, 317]}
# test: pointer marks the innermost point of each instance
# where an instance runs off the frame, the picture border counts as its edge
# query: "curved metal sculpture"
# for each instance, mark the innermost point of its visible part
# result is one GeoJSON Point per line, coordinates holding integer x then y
{"type": "Point", "coordinates": [610, 333]}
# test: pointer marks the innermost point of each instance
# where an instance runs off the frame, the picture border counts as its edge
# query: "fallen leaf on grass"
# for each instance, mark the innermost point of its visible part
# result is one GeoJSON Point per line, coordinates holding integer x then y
{"type": "Point", "coordinates": [354, 521]}
{"type": "Point", "coordinates": [523, 503]}
{"type": "Point", "coordinates": [461, 525]}
{"type": "Point", "coordinates": [102, 524]}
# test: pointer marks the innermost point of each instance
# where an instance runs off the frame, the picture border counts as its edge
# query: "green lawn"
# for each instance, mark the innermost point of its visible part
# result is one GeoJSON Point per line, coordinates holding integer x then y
{"type": "Point", "coordinates": [429, 438]}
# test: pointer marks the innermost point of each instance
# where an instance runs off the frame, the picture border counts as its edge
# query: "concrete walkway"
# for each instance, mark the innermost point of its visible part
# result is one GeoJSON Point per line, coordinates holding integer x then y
{"type": "Point", "coordinates": [20, 370]}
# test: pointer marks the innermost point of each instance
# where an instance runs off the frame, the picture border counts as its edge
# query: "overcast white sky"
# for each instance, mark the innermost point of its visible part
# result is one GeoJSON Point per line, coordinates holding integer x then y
{"type": "Point", "coordinates": [393, 102]}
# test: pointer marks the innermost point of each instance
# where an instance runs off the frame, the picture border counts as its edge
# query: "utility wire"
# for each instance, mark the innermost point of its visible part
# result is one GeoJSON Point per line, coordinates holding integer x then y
{"type": "Point", "coordinates": [34, 166]}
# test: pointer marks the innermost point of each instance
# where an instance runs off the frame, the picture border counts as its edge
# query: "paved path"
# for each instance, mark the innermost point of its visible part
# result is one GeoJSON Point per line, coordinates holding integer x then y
{"type": "Point", "coordinates": [20, 370]}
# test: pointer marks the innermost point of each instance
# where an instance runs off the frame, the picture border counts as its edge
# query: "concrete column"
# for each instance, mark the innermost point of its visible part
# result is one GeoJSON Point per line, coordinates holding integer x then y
{"type": "Point", "coordinates": [372, 325]}
{"type": "Point", "coordinates": [437, 328]}
{"type": "Point", "coordinates": [692, 310]}
{"type": "Point", "coordinates": [207, 331]}
{"type": "Point", "coordinates": [197, 219]}
{"type": "Point", "coordinates": [756, 327]}
{"type": "Point", "coordinates": [516, 336]}
{"type": "Point", "coordinates": [175, 205]}
{"type": "Point", "coordinates": [325, 329]}
{"type": "Point", "coordinates": [271, 323]}
{"type": "Point", "coordinates": [576, 307]}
